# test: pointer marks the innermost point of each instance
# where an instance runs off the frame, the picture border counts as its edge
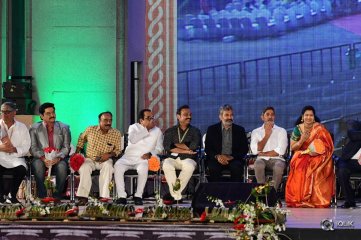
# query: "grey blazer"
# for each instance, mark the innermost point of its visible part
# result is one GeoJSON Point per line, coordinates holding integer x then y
{"type": "Point", "coordinates": [39, 139]}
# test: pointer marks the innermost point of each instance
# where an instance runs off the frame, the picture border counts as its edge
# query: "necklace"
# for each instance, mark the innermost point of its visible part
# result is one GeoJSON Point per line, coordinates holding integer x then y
{"type": "Point", "coordinates": [307, 128]}
{"type": "Point", "coordinates": [184, 135]}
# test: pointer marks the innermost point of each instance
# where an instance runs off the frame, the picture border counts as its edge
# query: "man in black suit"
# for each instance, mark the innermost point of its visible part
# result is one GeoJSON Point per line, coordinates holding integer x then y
{"type": "Point", "coordinates": [350, 162]}
{"type": "Point", "coordinates": [225, 145]}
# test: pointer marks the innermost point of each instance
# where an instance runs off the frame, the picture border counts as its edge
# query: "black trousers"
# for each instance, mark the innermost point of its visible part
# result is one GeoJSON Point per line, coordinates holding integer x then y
{"type": "Point", "coordinates": [17, 173]}
{"type": "Point", "coordinates": [235, 167]}
{"type": "Point", "coordinates": [344, 171]}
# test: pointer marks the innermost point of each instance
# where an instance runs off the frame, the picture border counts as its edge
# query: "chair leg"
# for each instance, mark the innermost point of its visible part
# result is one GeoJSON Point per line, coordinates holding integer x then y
{"type": "Point", "coordinates": [72, 188]}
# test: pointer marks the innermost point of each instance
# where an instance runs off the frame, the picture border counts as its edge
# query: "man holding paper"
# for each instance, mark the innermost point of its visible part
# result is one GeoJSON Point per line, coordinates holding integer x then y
{"type": "Point", "coordinates": [50, 147]}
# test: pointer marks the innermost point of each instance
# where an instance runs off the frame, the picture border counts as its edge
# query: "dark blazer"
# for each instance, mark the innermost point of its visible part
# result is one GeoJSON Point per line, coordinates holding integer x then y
{"type": "Point", "coordinates": [213, 143]}
{"type": "Point", "coordinates": [39, 139]}
{"type": "Point", "coordinates": [353, 145]}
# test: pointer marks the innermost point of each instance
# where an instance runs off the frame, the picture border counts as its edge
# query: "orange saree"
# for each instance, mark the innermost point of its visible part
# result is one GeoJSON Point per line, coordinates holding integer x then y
{"type": "Point", "coordinates": [311, 179]}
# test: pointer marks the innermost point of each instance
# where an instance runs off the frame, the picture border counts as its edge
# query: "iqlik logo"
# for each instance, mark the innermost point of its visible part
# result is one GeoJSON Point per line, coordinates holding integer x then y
{"type": "Point", "coordinates": [330, 225]}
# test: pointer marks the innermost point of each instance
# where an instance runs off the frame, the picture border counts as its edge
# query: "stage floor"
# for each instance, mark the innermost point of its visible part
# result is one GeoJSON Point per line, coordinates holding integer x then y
{"type": "Point", "coordinates": [302, 223]}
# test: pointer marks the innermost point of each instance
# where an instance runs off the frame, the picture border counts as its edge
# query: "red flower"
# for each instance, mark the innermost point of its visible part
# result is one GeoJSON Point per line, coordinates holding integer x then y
{"type": "Point", "coordinates": [239, 226]}
{"type": "Point", "coordinates": [139, 210]}
{"type": "Point", "coordinates": [104, 200]}
{"type": "Point", "coordinates": [238, 218]}
{"type": "Point", "coordinates": [72, 212]}
{"type": "Point", "coordinates": [203, 217]}
{"type": "Point", "coordinates": [49, 149]}
{"type": "Point", "coordinates": [20, 212]}
{"type": "Point", "coordinates": [76, 161]}
{"type": "Point", "coordinates": [48, 199]}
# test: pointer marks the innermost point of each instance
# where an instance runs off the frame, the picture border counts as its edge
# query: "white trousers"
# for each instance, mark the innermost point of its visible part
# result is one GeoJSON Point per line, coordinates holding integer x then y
{"type": "Point", "coordinates": [186, 166]}
{"type": "Point", "coordinates": [106, 174]}
{"type": "Point", "coordinates": [121, 166]}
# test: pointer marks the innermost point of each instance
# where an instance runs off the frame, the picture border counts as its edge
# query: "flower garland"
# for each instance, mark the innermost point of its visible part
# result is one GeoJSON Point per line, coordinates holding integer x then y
{"type": "Point", "coordinates": [251, 220]}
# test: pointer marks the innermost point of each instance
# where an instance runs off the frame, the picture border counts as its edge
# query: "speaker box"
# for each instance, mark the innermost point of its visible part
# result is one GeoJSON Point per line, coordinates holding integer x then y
{"type": "Point", "coordinates": [17, 89]}
{"type": "Point", "coordinates": [227, 191]}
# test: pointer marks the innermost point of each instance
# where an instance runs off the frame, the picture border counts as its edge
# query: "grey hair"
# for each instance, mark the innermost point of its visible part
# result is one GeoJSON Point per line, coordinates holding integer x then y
{"type": "Point", "coordinates": [225, 107]}
{"type": "Point", "coordinates": [11, 105]}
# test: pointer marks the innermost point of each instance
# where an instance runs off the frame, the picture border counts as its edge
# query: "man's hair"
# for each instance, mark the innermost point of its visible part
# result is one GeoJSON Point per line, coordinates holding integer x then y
{"type": "Point", "coordinates": [102, 113]}
{"type": "Point", "coordinates": [11, 105]}
{"type": "Point", "coordinates": [141, 114]}
{"type": "Point", "coordinates": [268, 108]}
{"type": "Point", "coordinates": [225, 107]}
{"type": "Point", "coordinates": [179, 110]}
{"type": "Point", "coordinates": [45, 106]}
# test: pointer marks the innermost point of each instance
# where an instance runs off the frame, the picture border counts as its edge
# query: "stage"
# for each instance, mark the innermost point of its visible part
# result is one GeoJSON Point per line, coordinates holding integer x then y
{"type": "Point", "coordinates": [302, 223]}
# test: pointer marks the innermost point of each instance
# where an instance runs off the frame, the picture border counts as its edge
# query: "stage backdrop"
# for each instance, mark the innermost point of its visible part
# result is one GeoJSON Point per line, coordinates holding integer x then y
{"type": "Point", "coordinates": [252, 54]}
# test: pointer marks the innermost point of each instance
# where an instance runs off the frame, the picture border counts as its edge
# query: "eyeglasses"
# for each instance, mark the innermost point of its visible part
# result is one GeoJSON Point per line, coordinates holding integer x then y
{"type": "Point", "coordinates": [6, 112]}
{"type": "Point", "coordinates": [149, 118]}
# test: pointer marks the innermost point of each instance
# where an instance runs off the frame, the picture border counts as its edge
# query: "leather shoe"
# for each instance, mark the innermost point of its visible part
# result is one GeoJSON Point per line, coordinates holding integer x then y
{"type": "Point", "coordinates": [348, 205]}
{"type": "Point", "coordinates": [122, 201]}
{"type": "Point", "coordinates": [138, 201]}
{"type": "Point", "coordinates": [82, 201]}
{"type": "Point", "coordinates": [14, 200]}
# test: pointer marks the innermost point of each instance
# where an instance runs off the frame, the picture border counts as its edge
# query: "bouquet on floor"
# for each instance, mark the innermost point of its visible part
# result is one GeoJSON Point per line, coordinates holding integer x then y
{"type": "Point", "coordinates": [50, 154]}
{"type": "Point", "coordinates": [253, 220]}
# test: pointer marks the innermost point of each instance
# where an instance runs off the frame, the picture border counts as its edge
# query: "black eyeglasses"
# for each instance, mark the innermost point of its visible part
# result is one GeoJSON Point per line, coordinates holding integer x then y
{"type": "Point", "coordinates": [149, 118]}
{"type": "Point", "coordinates": [6, 111]}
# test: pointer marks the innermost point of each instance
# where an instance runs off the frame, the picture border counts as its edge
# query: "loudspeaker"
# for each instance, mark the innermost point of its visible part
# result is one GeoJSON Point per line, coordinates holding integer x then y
{"type": "Point", "coordinates": [17, 90]}
{"type": "Point", "coordinates": [227, 191]}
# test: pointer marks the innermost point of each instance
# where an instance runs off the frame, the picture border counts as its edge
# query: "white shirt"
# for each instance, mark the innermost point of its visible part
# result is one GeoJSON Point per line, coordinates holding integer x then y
{"type": "Point", "coordinates": [19, 136]}
{"type": "Point", "coordinates": [277, 142]}
{"type": "Point", "coordinates": [142, 141]}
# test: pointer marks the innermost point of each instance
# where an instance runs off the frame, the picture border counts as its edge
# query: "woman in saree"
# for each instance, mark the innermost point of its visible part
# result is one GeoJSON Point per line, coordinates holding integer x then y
{"type": "Point", "coordinates": [311, 178]}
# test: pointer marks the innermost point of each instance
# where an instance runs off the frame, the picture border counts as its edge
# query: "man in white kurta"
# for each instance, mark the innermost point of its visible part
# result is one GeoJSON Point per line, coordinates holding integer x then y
{"type": "Point", "coordinates": [269, 142]}
{"type": "Point", "coordinates": [144, 140]}
{"type": "Point", "coordinates": [14, 145]}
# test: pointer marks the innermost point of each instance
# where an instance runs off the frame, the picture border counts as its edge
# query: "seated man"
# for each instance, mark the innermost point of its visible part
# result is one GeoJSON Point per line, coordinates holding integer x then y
{"type": "Point", "coordinates": [144, 140]}
{"type": "Point", "coordinates": [269, 142]}
{"type": "Point", "coordinates": [350, 162]}
{"type": "Point", "coordinates": [226, 145]}
{"type": "Point", "coordinates": [103, 144]}
{"type": "Point", "coordinates": [55, 134]}
{"type": "Point", "coordinates": [180, 143]}
{"type": "Point", "coordinates": [14, 145]}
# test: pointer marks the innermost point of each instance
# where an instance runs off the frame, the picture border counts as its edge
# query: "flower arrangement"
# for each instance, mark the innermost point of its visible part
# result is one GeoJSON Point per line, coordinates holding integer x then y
{"type": "Point", "coordinates": [50, 154]}
{"type": "Point", "coordinates": [75, 161]}
{"type": "Point", "coordinates": [153, 164]}
{"type": "Point", "coordinates": [39, 210]}
{"type": "Point", "coordinates": [251, 220]}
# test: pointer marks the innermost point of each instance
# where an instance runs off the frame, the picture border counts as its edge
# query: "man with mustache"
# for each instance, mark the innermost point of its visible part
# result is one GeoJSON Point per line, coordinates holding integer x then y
{"type": "Point", "coordinates": [102, 146]}
{"type": "Point", "coordinates": [54, 134]}
{"type": "Point", "coordinates": [269, 142]}
{"type": "Point", "coordinates": [180, 143]}
{"type": "Point", "coordinates": [225, 145]}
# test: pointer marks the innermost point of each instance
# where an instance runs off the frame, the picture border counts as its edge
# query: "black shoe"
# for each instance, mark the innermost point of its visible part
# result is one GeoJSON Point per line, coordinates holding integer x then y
{"type": "Point", "coordinates": [14, 200]}
{"type": "Point", "coordinates": [168, 199]}
{"type": "Point", "coordinates": [82, 201]}
{"type": "Point", "coordinates": [138, 201]}
{"type": "Point", "coordinates": [348, 205]}
{"type": "Point", "coordinates": [122, 201]}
